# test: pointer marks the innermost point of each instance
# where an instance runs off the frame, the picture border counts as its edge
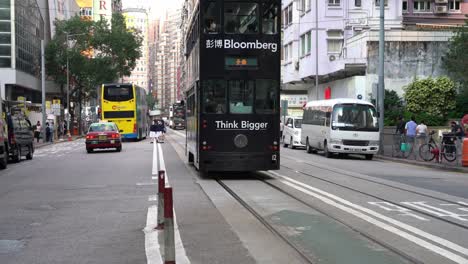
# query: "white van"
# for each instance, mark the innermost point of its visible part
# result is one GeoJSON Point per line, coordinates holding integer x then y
{"type": "Point", "coordinates": [341, 126]}
{"type": "Point", "coordinates": [292, 132]}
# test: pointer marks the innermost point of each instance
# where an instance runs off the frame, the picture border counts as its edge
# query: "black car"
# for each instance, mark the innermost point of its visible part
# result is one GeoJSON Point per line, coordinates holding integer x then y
{"type": "Point", "coordinates": [20, 137]}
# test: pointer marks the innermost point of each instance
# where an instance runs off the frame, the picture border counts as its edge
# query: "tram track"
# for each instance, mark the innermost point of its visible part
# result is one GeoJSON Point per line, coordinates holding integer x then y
{"type": "Point", "coordinates": [278, 186]}
{"type": "Point", "coordinates": [375, 196]}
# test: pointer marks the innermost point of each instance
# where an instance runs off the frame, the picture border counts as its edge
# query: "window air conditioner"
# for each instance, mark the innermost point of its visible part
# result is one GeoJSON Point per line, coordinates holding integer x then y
{"type": "Point", "coordinates": [440, 9]}
{"type": "Point", "coordinates": [441, 1]}
{"type": "Point", "coordinates": [296, 65]}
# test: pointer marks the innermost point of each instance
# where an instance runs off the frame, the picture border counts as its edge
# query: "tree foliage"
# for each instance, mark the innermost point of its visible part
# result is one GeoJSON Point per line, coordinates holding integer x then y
{"type": "Point", "coordinates": [432, 96]}
{"type": "Point", "coordinates": [456, 59]}
{"type": "Point", "coordinates": [393, 107]}
{"type": "Point", "coordinates": [97, 53]}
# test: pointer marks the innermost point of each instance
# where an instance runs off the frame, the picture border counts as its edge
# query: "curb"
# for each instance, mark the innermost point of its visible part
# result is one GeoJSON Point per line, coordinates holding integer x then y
{"type": "Point", "coordinates": [55, 142]}
{"type": "Point", "coordinates": [425, 164]}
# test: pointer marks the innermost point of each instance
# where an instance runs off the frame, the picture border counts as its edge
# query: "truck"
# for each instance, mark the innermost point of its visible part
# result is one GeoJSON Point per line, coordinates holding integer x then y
{"type": "Point", "coordinates": [177, 115]}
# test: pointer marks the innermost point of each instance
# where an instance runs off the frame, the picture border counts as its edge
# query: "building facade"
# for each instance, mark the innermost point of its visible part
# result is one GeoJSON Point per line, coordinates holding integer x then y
{"type": "Point", "coordinates": [348, 35]}
{"type": "Point", "coordinates": [137, 19]}
{"type": "Point", "coordinates": [167, 64]}
{"type": "Point", "coordinates": [420, 13]}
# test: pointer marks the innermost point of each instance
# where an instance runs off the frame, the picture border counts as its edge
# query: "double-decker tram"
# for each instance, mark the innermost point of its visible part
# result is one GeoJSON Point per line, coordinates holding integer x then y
{"type": "Point", "coordinates": [125, 105]}
{"type": "Point", "coordinates": [232, 85]}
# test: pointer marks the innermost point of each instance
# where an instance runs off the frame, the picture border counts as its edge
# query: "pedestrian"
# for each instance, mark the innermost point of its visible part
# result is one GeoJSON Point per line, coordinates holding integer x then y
{"type": "Point", "coordinates": [457, 130]}
{"type": "Point", "coordinates": [160, 130]}
{"type": "Point", "coordinates": [421, 132]}
{"type": "Point", "coordinates": [410, 129]}
{"type": "Point", "coordinates": [47, 130]}
{"type": "Point", "coordinates": [153, 130]}
{"type": "Point", "coordinates": [52, 131]}
{"type": "Point", "coordinates": [400, 127]}
{"type": "Point", "coordinates": [464, 123]}
{"type": "Point", "coordinates": [65, 131]}
{"type": "Point", "coordinates": [37, 132]}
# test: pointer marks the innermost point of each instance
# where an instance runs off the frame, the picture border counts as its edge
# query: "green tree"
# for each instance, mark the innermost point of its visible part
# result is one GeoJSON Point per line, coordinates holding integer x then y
{"type": "Point", "coordinates": [393, 107]}
{"type": "Point", "coordinates": [456, 59]}
{"type": "Point", "coordinates": [432, 98]}
{"type": "Point", "coordinates": [96, 53]}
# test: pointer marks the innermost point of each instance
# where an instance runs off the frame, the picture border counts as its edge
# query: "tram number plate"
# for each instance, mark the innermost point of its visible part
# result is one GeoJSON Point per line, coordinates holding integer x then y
{"type": "Point", "coordinates": [273, 157]}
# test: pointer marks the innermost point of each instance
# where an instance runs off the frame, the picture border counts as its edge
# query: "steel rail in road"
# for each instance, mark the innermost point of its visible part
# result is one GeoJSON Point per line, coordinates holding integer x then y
{"type": "Point", "coordinates": [263, 221]}
{"type": "Point", "coordinates": [375, 196]}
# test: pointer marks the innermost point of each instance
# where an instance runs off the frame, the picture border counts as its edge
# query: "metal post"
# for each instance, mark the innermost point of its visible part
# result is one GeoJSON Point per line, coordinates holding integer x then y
{"type": "Point", "coordinates": [169, 242]}
{"type": "Point", "coordinates": [43, 91]}
{"type": "Point", "coordinates": [316, 51]}
{"type": "Point", "coordinates": [381, 88]}
{"type": "Point", "coordinates": [68, 94]}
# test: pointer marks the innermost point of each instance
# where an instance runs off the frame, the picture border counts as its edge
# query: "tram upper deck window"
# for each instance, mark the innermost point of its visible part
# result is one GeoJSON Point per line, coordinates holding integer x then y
{"type": "Point", "coordinates": [214, 96]}
{"type": "Point", "coordinates": [270, 18]}
{"type": "Point", "coordinates": [241, 94]}
{"type": "Point", "coordinates": [265, 96]}
{"type": "Point", "coordinates": [240, 18]}
{"type": "Point", "coordinates": [211, 18]}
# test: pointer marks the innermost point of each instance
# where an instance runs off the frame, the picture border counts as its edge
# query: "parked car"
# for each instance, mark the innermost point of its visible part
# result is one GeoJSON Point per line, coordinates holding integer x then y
{"type": "Point", "coordinates": [103, 135]}
{"type": "Point", "coordinates": [20, 137]}
{"type": "Point", "coordinates": [292, 132]}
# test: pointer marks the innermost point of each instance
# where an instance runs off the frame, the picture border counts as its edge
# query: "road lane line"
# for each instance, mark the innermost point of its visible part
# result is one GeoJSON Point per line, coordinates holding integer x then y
{"type": "Point", "coordinates": [152, 248]}
{"type": "Point", "coordinates": [154, 170]}
{"type": "Point", "coordinates": [162, 165]}
{"type": "Point", "coordinates": [419, 232]}
{"type": "Point", "coordinates": [152, 198]}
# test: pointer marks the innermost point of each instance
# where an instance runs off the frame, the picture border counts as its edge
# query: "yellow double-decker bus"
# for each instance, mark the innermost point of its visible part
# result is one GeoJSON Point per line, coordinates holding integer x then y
{"type": "Point", "coordinates": [125, 105]}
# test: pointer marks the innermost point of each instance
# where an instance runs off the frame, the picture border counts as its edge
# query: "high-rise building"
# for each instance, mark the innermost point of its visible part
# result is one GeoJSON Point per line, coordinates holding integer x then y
{"type": "Point", "coordinates": [137, 18]}
{"type": "Point", "coordinates": [97, 9]}
{"type": "Point", "coordinates": [167, 60]}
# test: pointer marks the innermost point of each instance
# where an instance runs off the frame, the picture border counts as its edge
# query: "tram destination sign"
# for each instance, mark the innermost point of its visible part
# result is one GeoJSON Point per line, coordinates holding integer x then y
{"type": "Point", "coordinates": [232, 44]}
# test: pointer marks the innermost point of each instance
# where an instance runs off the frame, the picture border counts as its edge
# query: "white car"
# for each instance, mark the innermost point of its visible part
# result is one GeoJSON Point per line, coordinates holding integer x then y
{"type": "Point", "coordinates": [292, 132]}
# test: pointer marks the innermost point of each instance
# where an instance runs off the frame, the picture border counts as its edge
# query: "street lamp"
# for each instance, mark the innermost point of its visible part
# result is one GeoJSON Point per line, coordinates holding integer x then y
{"type": "Point", "coordinates": [68, 84]}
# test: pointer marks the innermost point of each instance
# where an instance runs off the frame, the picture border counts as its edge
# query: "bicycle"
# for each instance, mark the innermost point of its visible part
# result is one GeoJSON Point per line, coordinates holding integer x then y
{"type": "Point", "coordinates": [430, 150]}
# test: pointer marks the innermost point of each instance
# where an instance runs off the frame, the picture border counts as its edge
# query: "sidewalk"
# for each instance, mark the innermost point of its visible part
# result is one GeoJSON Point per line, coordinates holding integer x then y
{"type": "Point", "coordinates": [41, 144]}
{"type": "Point", "coordinates": [429, 164]}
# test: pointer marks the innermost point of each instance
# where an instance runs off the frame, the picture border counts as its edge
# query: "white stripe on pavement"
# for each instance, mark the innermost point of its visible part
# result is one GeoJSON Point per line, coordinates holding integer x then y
{"type": "Point", "coordinates": [155, 158]}
{"type": "Point", "coordinates": [152, 248]}
{"type": "Point", "coordinates": [348, 207]}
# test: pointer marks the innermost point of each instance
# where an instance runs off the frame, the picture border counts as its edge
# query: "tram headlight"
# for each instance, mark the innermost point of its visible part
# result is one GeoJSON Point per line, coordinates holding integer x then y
{"type": "Point", "coordinates": [241, 141]}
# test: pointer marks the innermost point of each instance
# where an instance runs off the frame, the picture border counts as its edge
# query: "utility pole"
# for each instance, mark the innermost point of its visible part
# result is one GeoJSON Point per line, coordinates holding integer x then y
{"type": "Point", "coordinates": [68, 94]}
{"type": "Point", "coordinates": [43, 91]}
{"type": "Point", "coordinates": [381, 87]}
{"type": "Point", "coordinates": [316, 50]}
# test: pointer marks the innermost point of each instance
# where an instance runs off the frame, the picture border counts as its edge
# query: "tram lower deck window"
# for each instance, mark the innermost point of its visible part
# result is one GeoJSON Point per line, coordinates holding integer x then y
{"type": "Point", "coordinates": [214, 96]}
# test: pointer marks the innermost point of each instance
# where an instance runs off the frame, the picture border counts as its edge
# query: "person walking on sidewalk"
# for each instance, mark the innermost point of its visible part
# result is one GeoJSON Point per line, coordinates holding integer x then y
{"type": "Point", "coordinates": [421, 133]}
{"type": "Point", "coordinates": [37, 132]}
{"type": "Point", "coordinates": [410, 129]}
{"type": "Point", "coordinates": [47, 132]}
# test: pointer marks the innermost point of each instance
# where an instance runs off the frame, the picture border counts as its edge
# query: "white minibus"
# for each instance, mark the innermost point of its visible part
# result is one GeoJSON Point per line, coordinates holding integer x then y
{"type": "Point", "coordinates": [345, 126]}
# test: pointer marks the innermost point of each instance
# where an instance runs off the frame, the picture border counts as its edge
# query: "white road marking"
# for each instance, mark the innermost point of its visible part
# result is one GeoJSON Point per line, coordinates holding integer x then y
{"type": "Point", "coordinates": [348, 207]}
{"type": "Point", "coordinates": [152, 198]}
{"type": "Point", "coordinates": [152, 248]}
{"type": "Point", "coordinates": [155, 158]}
{"type": "Point", "coordinates": [395, 208]}
{"type": "Point", "coordinates": [154, 178]}
{"type": "Point", "coordinates": [146, 183]}
{"type": "Point", "coordinates": [423, 206]}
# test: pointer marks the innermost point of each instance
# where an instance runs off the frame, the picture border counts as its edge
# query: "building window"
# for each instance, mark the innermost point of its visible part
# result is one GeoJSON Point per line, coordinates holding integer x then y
{"type": "Point", "coordinates": [405, 6]}
{"type": "Point", "coordinates": [288, 15]}
{"type": "Point", "coordinates": [211, 19]}
{"type": "Point", "coordinates": [377, 3]}
{"type": "Point", "coordinates": [333, 2]}
{"type": "Point", "coordinates": [454, 5]}
{"type": "Point", "coordinates": [241, 18]}
{"type": "Point", "coordinates": [357, 3]}
{"type": "Point", "coordinates": [334, 41]}
{"type": "Point", "coordinates": [305, 44]}
{"type": "Point", "coordinates": [422, 6]}
{"type": "Point", "coordinates": [270, 19]}
{"type": "Point", "coordinates": [305, 6]}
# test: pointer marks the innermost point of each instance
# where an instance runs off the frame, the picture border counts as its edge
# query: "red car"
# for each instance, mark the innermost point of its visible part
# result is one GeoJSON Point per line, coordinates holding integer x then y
{"type": "Point", "coordinates": [102, 136]}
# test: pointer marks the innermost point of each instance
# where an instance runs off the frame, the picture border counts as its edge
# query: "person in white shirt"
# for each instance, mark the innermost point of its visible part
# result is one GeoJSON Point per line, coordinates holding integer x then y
{"type": "Point", "coordinates": [421, 132]}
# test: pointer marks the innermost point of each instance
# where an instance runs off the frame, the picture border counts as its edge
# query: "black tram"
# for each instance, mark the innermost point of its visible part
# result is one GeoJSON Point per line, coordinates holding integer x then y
{"type": "Point", "coordinates": [232, 85]}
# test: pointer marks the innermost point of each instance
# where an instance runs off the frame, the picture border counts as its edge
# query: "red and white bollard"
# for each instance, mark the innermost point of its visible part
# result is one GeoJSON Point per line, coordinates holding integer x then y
{"type": "Point", "coordinates": [161, 186]}
{"type": "Point", "coordinates": [169, 243]}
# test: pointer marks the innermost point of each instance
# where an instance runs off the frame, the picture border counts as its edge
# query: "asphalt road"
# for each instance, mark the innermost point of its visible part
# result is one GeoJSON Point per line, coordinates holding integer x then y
{"type": "Point", "coordinates": [67, 206]}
